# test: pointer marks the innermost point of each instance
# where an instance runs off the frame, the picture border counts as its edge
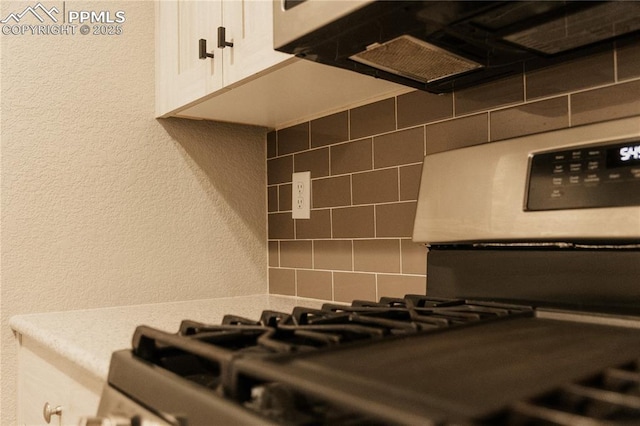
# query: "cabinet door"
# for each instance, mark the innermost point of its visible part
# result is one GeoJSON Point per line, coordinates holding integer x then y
{"type": "Point", "coordinates": [182, 77]}
{"type": "Point", "coordinates": [45, 377]}
{"type": "Point", "coordinates": [249, 26]}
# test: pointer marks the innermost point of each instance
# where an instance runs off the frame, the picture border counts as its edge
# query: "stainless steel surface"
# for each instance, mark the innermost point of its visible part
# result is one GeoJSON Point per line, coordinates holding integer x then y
{"type": "Point", "coordinates": [589, 318]}
{"type": "Point", "coordinates": [116, 408]}
{"type": "Point", "coordinates": [308, 16]}
{"type": "Point", "coordinates": [477, 193]}
{"type": "Point", "coordinates": [110, 421]}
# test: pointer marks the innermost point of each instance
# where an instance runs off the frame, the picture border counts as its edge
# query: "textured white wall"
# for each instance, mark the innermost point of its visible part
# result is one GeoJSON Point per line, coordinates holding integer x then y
{"type": "Point", "coordinates": [104, 205]}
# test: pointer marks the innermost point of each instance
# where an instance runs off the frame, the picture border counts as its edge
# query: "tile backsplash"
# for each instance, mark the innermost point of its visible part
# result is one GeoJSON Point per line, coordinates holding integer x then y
{"type": "Point", "coordinates": [365, 166]}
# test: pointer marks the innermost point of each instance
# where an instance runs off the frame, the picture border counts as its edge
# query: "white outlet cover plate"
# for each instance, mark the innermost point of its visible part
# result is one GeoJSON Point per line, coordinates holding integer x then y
{"type": "Point", "coordinates": [301, 195]}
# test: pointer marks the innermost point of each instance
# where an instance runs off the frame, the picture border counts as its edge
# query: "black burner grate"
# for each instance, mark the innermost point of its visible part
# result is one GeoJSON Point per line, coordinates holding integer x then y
{"type": "Point", "coordinates": [204, 352]}
{"type": "Point", "coordinates": [610, 397]}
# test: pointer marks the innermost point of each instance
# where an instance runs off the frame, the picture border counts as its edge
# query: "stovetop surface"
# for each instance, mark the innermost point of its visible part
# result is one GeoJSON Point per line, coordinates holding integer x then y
{"type": "Point", "coordinates": [465, 373]}
{"type": "Point", "coordinates": [411, 360]}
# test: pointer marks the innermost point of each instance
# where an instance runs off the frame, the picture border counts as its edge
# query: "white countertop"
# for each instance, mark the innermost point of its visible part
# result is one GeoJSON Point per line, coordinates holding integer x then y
{"type": "Point", "coordinates": [88, 337]}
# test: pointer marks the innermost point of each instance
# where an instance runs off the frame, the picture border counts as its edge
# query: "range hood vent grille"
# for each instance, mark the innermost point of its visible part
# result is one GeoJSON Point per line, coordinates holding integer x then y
{"type": "Point", "coordinates": [415, 59]}
{"type": "Point", "coordinates": [582, 28]}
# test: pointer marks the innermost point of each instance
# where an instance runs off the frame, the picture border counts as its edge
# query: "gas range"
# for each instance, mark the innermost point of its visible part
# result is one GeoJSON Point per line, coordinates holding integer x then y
{"type": "Point", "coordinates": [532, 314]}
{"type": "Point", "coordinates": [411, 360]}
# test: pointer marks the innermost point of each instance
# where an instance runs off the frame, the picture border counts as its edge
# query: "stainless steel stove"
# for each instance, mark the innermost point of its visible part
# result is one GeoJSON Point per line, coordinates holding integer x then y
{"type": "Point", "coordinates": [532, 315]}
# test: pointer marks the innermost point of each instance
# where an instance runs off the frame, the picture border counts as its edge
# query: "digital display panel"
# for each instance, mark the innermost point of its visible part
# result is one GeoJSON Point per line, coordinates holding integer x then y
{"type": "Point", "coordinates": [624, 155]}
{"type": "Point", "coordinates": [589, 176]}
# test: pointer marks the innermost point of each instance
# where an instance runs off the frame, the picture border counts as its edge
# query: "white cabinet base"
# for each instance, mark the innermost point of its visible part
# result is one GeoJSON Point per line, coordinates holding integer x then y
{"type": "Point", "coordinates": [45, 377]}
{"type": "Point", "coordinates": [296, 91]}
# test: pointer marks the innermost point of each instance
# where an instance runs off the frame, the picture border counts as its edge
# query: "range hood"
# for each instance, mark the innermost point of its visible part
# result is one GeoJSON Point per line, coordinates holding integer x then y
{"type": "Point", "coordinates": [440, 46]}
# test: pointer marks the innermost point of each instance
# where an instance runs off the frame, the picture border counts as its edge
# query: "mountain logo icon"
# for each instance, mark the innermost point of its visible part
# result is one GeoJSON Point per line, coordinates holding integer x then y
{"type": "Point", "coordinates": [39, 11]}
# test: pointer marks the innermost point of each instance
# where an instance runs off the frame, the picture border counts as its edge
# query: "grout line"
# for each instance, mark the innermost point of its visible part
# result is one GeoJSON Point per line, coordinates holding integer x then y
{"type": "Point", "coordinates": [406, 237]}
{"type": "Point", "coordinates": [377, 291]}
{"type": "Point", "coordinates": [615, 62]}
{"type": "Point", "coordinates": [279, 255]}
{"type": "Point", "coordinates": [569, 113]}
{"type": "Point", "coordinates": [399, 186]}
{"type": "Point", "coordinates": [333, 286]}
{"type": "Point", "coordinates": [395, 111]}
{"type": "Point", "coordinates": [351, 189]}
{"type": "Point", "coordinates": [373, 154]}
{"type": "Point", "coordinates": [351, 272]}
{"type": "Point", "coordinates": [400, 246]}
{"type": "Point", "coordinates": [453, 103]}
{"type": "Point", "coordinates": [424, 142]}
{"type": "Point", "coordinates": [331, 223]}
{"type": "Point", "coordinates": [353, 257]}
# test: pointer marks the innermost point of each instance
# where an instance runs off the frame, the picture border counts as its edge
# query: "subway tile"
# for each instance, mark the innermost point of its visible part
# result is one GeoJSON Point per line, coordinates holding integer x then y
{"type": "Point", "coordinates": [280, 226]}
{"type": "Point", "coordinates": [414, 257]}
{"type": "Point", "coordinates": [317, 226]}
{"type": "Point", "coordinates": [571, 75]}
{"type": "Point", "coordinates": [331, 192]}
{"type": "Point", "coordinates": [282, 281]}
{"type": "Point", "coordinates": [272, 199]}
{"type": "Point", "coordinates": [272, 148]}
{"type": "Point", "coordinates": [333, 255]}
{"type": "Point", "coordinates": [395, 220]}
{"type": "Point", "coordinates": [274, 253]}
{"type": "Point", "coordinates": [316, 161]}
{"type": "Point", "coordinates": [284, 197]}
{"type": "Point", "coordinates": [375, 187]}
{"type": "Point", "coordinates": [410, 182]}
{"type": "Point", "coordinates": [330, 129]}
{"type": "Point", "coordinates": [628, 60]}
{"type": "Point", "coordinates": [486, 96]}
{"type": "Point", "coordinates": [530, 118]}
{"type": "Point", "coordinates": [279, 170]}
{"type": "Point", "coordinates": [622, 100]}
{"type": "Point", "coordinates": [373, 118]}
{"type": "Point", "coordinates": [353, 222]}
{"type": "Point", "coordinates": [457, 133]}
{"type": "Point", "coordinates": [376, 255]}
{"type": "Point", "coordinates": [400, 285]}
{"type": "Point", "coordinates": [314, 284]}
{"type": "Point", "coordinates": [350, 286]}
{"type": "Point", "coordinates": [296, 254]}
{"type": "Point", "coordinates": [352, 157]}
{"type": "Point", "coordinates": [399, 148]}
{"type": "Point", "coordinates": [421, 107]}
{"type": "Point", "coordinates": [293, 139]}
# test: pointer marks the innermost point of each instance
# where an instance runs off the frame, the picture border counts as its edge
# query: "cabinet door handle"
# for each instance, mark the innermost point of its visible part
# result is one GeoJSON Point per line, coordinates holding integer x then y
{"type": "Point", "coordinates": [222, 36]}
{"type": "Point", "coordinates": [202, 47]}
{"type": "Point", "coordinates": [49, 411]}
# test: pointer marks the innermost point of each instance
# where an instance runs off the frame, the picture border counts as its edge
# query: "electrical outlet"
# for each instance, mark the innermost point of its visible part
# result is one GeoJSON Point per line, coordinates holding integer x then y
{"type": "Point", "coordinates": [301, 195]}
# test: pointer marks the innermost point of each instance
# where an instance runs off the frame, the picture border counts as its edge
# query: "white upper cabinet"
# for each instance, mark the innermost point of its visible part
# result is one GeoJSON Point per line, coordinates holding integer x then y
{"type": "Point", "coordinates": [181, 76]}
{"type": "Point", "coordinates": [249, 27]}
{"type": "Point", "coordinates": [248, 82]}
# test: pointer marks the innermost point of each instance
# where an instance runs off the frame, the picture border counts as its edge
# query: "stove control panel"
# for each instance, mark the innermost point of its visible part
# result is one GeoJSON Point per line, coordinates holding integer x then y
{"type": "Point", "coordinates": [603, 175]}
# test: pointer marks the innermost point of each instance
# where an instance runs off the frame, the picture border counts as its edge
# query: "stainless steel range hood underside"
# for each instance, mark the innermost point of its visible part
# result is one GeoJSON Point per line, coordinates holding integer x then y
{"type": "Point", "coordinates": [443, 45]}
